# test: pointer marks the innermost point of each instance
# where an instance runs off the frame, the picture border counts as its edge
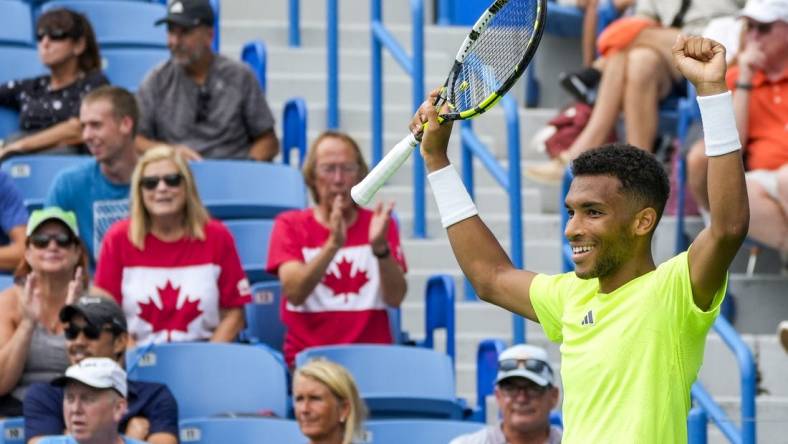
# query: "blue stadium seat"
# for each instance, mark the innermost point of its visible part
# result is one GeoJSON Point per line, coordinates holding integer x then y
{"type": "Point", "coordinates": [251, 238]}
{"type": "Point", "coordinates": [6, 280]}
{"type": "Point", "coordinates": [263, 321]}
{"type": "Point", "coordinates": [16, 24]}
{"type": "Point", "coordinates": [127, 67]}
{"type": "Point", "coordinates": [18, 62]}
{"type": "Point", "coordinates": [439, 311]}
{"type": "Point", "coordinates": [240, 431]}
{"type": "Point", "coordinates": [9, 122]}
{"type": "Point", "coordinates": [254, 54]}
{"type": "Point", "coordinates": [120, 23]}
{"type": "Point", "coordinates": [210, 378]}
{"type": "Point", "coordinates": [486, 370]}
{"type": "Point", "coordinates": [34, 174]}
{"type": "Point", "coordinates": [417, 431]}
{"type": "Point", "coordinates": [294, 128]}
{"type": "Point", "coordinates": [397, 381]}
{"type": "Point", "coordinates": [240, 189]}
{"type": "Point", "coordinates": [12, 431]}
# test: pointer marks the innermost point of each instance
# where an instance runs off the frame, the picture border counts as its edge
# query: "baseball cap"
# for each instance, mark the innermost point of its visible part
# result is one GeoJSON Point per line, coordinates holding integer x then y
{"type": "Point", "coordinates": [188, 13]}
{"type": "Point", "coordinates": [525, 361]}
{"type": "Point", "coordinates": [38, 217]}
{"type": "Point", "coordinates": [766, 11]}
{"type": "Point", "coordinates": [97, 311]}
{"type": "Point", "coordinates": [99, 373]}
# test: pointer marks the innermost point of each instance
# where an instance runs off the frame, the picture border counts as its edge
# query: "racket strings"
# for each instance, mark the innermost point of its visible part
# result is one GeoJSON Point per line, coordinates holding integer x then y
{"type": "Point", "coordinates": [495, 57]}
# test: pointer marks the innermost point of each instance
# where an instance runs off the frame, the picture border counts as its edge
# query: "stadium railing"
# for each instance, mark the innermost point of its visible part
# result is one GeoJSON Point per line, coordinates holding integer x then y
{"type": "Point", "coordinates": [414, 66]}
{"type": "Point", "coordinates": [744, 434]}
{"type": "Point", "coordinates": [510, 180]}
{"type": "Point", "coordinates": [332, 53]}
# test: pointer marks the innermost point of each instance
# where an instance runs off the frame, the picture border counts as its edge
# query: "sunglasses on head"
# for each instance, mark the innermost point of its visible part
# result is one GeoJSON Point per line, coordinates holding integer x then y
{"type": "Point", "coordinates": [535, 365]}
{"type": "Point", "coordinates": [72, 331]}
{"type": "Point", "coordinates": [62, 240]}
{"type": "Point", "coordinates": [171, 180]}
{"type": "Point", "coordinates": [53, 34]}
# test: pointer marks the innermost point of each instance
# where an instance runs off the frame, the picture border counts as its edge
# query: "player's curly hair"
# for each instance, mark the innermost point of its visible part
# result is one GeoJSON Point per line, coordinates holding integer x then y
{"type": "Point", "coordinates": [640, 173]}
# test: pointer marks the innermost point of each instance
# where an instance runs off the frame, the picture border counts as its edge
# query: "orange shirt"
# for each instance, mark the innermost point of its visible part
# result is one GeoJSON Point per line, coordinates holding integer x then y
{"type": "Point", "coordinates": [767, 125]}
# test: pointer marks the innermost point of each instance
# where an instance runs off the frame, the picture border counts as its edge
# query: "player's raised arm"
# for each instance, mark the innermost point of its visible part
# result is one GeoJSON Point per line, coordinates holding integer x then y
{"type": "Point", "coordinates": [479, 254]}
{"type": "Point", "coordinates": [702, 62]}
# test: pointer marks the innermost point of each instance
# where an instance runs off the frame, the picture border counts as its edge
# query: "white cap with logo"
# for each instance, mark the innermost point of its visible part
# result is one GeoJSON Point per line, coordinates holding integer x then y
{"type": "Point", "coordinates": [525, 361]}
{"type": "Point", "coordinates": [99, 373]}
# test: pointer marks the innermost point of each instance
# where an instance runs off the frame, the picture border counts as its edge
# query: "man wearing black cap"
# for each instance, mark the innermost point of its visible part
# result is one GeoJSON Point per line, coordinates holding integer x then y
{"type": "Point", "coordinates": [202, 102]}
{"type": "Point", "coordinates": [95, 327]}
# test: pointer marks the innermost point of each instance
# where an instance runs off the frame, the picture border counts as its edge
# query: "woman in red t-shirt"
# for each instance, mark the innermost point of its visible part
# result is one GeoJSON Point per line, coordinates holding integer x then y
{"type": "Point", "coordinates": [173, 269]}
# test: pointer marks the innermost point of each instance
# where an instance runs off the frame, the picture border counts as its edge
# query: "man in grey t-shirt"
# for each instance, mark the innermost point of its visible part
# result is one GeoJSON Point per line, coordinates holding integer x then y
{"type": "Point", "coordinates": [525, 391]}
{"type": "Point", "coordinates": [203, 103]}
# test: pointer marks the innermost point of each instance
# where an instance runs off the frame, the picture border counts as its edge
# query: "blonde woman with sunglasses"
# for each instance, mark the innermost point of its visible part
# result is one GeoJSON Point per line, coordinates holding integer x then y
{"type": "Point", "coordinates": [173, 269]}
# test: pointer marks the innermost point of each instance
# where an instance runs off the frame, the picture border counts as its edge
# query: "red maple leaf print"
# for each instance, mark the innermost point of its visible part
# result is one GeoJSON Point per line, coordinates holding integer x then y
{"type": "Point", "coordinates": [345, 283]}
{"type": "Point", "coordinates": [169, 317]}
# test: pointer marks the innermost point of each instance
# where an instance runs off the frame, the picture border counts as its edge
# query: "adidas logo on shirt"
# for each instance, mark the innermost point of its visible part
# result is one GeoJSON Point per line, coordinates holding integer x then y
{"type": "Point", "coordinates": [588, 319]}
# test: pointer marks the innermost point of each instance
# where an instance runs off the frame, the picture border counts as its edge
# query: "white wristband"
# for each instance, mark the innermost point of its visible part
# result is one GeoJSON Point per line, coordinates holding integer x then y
{"type": "Point", "coordinates": [454, 202]}
{"type": "Point", "coordinates": [719, 124]}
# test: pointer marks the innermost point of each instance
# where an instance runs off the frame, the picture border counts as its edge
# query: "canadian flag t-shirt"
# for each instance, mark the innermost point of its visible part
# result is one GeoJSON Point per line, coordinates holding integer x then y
{"type": "Point", "coordinates": [172, 291]}
{"type": "Point", "coordinates": [347, 305]}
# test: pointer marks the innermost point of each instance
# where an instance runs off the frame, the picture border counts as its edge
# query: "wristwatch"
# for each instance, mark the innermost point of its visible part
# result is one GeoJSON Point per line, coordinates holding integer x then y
{"type": "Point", "coordinates": [382, 254]}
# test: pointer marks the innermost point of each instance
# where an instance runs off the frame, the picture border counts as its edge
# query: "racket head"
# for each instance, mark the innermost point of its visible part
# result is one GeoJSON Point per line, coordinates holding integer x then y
{"type": "Point", "coordinates": [495, 54]}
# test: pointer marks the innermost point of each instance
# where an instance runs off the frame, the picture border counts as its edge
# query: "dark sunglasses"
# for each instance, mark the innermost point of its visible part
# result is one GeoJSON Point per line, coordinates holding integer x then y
{"type": "Point", "coordinates": [62, 240]}
{"type": "Point", "coordinates": [512, 390]}
{"type": "Point", "coordinates": [54, 34]}
{"type": "Point", "coordinates": [171, 180]}
{"type": "Point", "coordinates": [203, 99]}
{"type": "Point", "coordinates": [91, 332]}
{"type": "Point", "coordinates": [760, 28]}
{"type": "Point", "coordinates": [535, 365]}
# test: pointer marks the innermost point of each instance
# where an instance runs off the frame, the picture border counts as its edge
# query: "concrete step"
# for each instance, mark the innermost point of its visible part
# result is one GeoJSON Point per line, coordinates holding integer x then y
{"type": "Point", "coordinates": [771, 420]}
{"type": "Point", "coordinates": [536, 227]}
{"type": "Point", "coordinates": [488, 200]}
{"type": "Point", "coordinates": [760, 302]}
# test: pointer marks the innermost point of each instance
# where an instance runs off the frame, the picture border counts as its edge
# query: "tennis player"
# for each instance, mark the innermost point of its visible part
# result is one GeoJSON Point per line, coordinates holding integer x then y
{"type": "Point", "coordinates": [632, 333]}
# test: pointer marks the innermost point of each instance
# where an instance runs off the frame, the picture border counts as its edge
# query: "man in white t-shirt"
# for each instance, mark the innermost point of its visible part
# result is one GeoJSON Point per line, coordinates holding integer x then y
{"type": "Point", "coordinates": [525, 391]}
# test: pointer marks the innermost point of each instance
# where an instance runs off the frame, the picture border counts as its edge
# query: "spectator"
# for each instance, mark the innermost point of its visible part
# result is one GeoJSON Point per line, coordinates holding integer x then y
{"type": "Point", "coordinates": [95, 327]}
{"type": "Point", "coordinates": [636, 78]}
{"type": "Point", "coordinates": [13, 217]}
{"type": "Point", "coordinates": [32, 347]}
{"type": "Point", "coordinates": [49, 104]}
{"type": "Point", "coordinates": [173, 269]}
{"type": "Point", "coordinates": [340, 265]}
{"type": "Point", "coordinates": [98, 191]}
{"type": "Point", "coordinates": [526, 392]}
{"type": "Point", "coordinates": [326, 403]}
{"type": "Point", "coordinates": [203, 103]}
{"type": "Point", "coordinates": [760, 90]}
{"type": "Point", "coordinates": [94, 402]}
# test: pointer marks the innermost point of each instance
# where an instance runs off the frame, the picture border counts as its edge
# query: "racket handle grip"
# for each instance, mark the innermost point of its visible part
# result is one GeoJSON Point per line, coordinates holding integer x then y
{"type": "Point", "coordinates": [365, 190]}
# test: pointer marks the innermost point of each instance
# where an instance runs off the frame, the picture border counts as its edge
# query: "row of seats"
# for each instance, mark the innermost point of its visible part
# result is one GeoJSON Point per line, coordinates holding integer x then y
{"type": "Point", "coordinates": [285, 431]}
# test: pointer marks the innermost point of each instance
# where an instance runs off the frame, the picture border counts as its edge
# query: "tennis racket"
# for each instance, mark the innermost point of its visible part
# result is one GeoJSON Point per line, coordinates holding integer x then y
{"type": "Point", "coordinates": [490, 60]}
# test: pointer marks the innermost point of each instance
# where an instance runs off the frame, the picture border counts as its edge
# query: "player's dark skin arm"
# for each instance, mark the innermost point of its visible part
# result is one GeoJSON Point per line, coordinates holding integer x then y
{"type": "Point", "coordinates": [702, 62]}
{"type": "Point", "coordinates": [481, 257]}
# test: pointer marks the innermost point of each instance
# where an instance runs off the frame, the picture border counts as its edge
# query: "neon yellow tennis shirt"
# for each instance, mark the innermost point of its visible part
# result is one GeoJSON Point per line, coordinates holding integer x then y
{"type": "Point", "coordinates": [628, 358]}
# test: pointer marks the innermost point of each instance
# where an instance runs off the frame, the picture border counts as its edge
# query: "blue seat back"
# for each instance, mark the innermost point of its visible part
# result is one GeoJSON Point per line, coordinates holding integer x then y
{"type": "Point", "coordinates": [294, 128]}
{"type": "Point", "coordinates": [252, 237]}
{"type": "Point", "coordinates": [263, 321]}
{"type": "Point", "coordinates": [240, 431]}
{"type": "Point", "coordinates": [396, 381]}
{"type": "Point", "coordinates": [16, 24]}
{"type": "Point", "coordinates": [120, 23]}
{"type": "Point", "coordinates": [12, 431]}
{"type": "Point", "coordinates": [210, 378]}
{"type": "Point", "coordinates": [486, 370]}
{"type": "Point", "coordinates": [239, 189]}
{"type": "Point", "coordinates": [417, 431]}
{"type": "Point", "coordinates": [33, 175]}
{"type": "Point", "coordinates": [6, 280]}
{"type": "Point", "coordinates": [17, 62]}
{"type": "Point", "coordinates": [255, 55]}
{"type": "Point", "coordinates": [127, 67]}
{"type": "Point", "coordinates": [9, 122]}
{"type": "Point", "coordinates": [439, 311]}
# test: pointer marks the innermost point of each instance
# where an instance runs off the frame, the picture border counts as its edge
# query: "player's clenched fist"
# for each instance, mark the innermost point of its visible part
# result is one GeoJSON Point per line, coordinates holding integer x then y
{"type": "Point", "coordinates": [702, 62]}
